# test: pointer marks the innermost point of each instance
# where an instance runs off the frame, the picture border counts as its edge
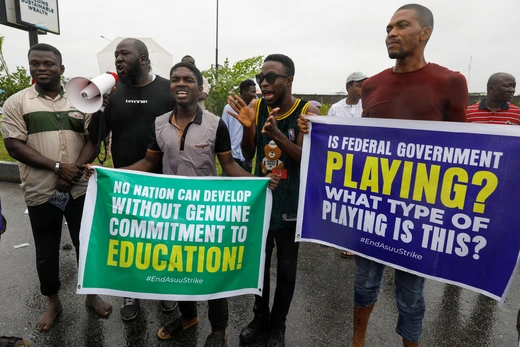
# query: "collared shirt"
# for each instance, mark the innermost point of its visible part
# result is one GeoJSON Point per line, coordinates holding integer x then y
{"type": "Point", "coordinates": [236, 131]}
{"type": "Point", "coordinates": [54, 128]}
{"type": "Point", "coordinates": [342, 109]}
{"type": "Point", "coordinates": [507, 114]}
{"type": "Point", "coordinates": [190, 151]}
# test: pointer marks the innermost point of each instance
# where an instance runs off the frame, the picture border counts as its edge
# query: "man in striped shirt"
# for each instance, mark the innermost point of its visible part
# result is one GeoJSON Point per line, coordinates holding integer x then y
{"type": "Point", "coordinates": [50, 139]}
{"type": "Point", "coordinates": [495, 108]}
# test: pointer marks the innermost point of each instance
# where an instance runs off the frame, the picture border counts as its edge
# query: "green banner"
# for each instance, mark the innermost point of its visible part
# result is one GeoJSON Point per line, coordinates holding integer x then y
{"type": "Point", "coordinates": [170, 237]}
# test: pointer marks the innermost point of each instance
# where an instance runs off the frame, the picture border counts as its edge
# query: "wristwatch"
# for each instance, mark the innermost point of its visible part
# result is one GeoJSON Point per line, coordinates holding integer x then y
{"type": "Point", "coordinates": [57, 168]}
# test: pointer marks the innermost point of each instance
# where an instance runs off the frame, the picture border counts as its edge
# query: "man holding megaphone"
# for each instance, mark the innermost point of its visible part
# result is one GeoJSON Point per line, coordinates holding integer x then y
{"type": "Point", "coordinates": [50, 139]}
{"type": "Point", "coordinates": [138, 99]}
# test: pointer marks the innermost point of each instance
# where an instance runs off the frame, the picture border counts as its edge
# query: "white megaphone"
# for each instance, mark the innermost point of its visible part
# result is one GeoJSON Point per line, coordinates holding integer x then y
{"type": "Point", "coordinates": [87, 95]}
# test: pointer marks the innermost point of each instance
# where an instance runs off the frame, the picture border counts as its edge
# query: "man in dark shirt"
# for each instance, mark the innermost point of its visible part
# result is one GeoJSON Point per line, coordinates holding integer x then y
{"type": "Point", "coordinates": [139, 98]}
{"type": "Point", "coordinates": [271, 132]}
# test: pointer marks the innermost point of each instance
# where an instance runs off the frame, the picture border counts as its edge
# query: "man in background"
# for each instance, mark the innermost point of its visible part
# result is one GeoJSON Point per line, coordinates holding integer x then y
{"type": "Point", "coordinates": [203, 95]}
{"type": "Point", "coordinates": [496, 108]}
{"type": "Point", "coordinates": [247, 93]}
{"type": "Point", "coordinates": [351, 106]}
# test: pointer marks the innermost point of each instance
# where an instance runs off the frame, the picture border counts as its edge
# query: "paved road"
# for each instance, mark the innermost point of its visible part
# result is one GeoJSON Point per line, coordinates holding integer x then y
{"type": "Point", "coordinates": [321, 313]}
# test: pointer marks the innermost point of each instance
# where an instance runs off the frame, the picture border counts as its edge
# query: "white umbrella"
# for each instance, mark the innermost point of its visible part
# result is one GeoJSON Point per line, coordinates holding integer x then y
{"type": "Point", "coordinates": [160, 58]}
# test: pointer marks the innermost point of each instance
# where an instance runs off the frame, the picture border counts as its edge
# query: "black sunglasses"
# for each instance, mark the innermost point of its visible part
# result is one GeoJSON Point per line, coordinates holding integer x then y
{"type": "Point", "coordinates": [270, 77]}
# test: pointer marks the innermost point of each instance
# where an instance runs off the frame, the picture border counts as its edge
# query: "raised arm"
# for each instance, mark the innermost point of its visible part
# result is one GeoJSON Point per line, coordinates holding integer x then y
{"type": "Point", "coordinates": [247, 117]}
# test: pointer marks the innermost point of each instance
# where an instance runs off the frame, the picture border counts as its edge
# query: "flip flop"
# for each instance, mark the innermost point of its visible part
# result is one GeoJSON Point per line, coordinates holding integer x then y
{"type": "Point", "coordinates": [175, 326]}
{"type": "Point", "coordinates": [347, 255]}
{"type": "Point", "coordinates": [13, 341]}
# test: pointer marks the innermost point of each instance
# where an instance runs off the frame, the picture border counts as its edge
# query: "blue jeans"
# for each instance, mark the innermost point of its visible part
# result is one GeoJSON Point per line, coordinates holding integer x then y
{"type": "Point", "coordinates": [408, 291]}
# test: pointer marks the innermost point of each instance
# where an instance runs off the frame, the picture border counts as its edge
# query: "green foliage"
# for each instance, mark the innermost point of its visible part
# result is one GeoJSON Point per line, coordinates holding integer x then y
{"type": "Point", "coordinates": [324, 109]}
{"type": "Point", "coordinates": [11, 83]}
{"type": "Point", "coordinates": [227, 78]}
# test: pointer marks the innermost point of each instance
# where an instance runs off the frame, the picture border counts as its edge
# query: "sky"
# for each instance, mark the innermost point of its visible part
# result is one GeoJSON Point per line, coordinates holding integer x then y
{"type": "Point", "coordinates": [327, 39]}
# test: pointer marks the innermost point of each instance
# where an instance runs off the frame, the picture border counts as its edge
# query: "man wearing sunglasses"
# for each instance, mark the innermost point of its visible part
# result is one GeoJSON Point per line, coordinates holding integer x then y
{"type": "Point", "coordinates": [271, 130]}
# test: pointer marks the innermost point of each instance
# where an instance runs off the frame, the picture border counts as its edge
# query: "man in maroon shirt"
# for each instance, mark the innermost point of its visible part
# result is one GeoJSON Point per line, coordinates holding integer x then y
{"type": "Point", "coordinates": [412, 89]}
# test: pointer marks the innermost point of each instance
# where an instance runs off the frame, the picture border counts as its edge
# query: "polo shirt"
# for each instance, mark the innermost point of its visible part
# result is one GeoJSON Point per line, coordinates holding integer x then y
{"type": "Point", "coordinates": [507, 114]}
{"type": "Point", "coordinates": [54, 128]}
{"type": "Point", "coordinates": [190, 152]}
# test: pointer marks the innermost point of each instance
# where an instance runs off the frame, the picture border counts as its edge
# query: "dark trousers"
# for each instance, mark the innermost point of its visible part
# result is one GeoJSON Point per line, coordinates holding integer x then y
{"type": "Point", "coordinates": [287, 256]}
{"type": "Point", "coordinates": [246, 165]}
{"type": "Point", "coordinates": [46, 222]}
{"type": "Point", "coordinates": [217, 313]}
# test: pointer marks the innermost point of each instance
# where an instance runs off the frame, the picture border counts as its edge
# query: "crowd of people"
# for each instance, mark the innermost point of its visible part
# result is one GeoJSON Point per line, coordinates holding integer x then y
{"type": "Point", "coordinates": [155, 124]}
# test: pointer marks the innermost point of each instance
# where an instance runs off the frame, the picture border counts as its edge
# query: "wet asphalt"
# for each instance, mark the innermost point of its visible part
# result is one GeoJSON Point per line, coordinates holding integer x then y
{"type": "Point", "coordinates": [321, 311]}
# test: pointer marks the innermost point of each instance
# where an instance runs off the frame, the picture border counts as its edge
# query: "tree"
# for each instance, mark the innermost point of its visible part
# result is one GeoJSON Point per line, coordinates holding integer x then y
{"type": "Point", "coordinates": [10, 83]}
{"type": "Point", "coordinates": [227, 79]}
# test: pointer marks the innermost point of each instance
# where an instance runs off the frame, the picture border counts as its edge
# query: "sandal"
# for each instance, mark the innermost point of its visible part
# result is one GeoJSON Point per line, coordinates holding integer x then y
{"type": "Point", "coordinates": [175, 326]}
{"type": "Point", "coordinates": [12, 341]}
{"type": "Point", "coordinates": [347, 255]}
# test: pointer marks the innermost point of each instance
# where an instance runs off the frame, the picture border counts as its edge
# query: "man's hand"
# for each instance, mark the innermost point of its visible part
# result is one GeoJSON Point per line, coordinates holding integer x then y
{"type": "Point", "coordinates": [71, 172]}
{"type": "Point", "coordinates": [63, 186]}
{"type": "Point", "coordinates": [303, 124]}
{"type": "Point", "coordinates": [89, 170]}
{"type": "Point", "coordinates": [270, 128]}
{"type": "Point", "coordinates": [106, 96]}
{"type": "Point", "coordinates": [243, 113]}
{"type": "Point", "coordinates": [275, 179]}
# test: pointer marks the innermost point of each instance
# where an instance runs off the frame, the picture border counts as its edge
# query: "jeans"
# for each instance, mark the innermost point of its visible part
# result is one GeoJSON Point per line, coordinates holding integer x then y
{"type": "Point", "coordinates": [217, 312]}
{"type": "Point", "coordinates": [46, 223]}
{"type": "Point", "coordinates": [408, 291]}
{"type": "Point", "coordinates": [287, 256]}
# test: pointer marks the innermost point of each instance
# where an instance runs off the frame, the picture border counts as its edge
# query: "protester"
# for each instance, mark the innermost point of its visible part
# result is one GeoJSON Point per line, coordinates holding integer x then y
{"type": "Point", "coordinates": [496, 108]}
{"type": "Point", "coordinates": [139, 98]}
{"type": "Point", "coordinates": [203, 95]}
{"type": "Point", "coordinates": [49, 138]}
{"type": "Point", "coordinates": [270, 129]}
{"type": "Point", "coordinates": [351, 106]}
{"type": "Point", "coordinates": [247, 93]}
{"type": "Point", "coordinates": [412, 89]}
{"type": "Point", "coordinates": [189, 122]}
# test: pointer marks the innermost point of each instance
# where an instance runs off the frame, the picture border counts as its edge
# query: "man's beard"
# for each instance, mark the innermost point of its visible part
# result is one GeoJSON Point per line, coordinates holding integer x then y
{"type": "Point", "coordinates": [49, 85]}
{"type": "Point", "coordinates": [131, 74]}
{"type": "Point", "coordinates": [397, 55]}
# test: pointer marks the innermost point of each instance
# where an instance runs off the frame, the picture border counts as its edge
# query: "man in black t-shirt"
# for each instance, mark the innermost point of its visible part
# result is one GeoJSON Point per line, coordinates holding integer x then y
{"type": "Point", "coordinates": [139, 98]}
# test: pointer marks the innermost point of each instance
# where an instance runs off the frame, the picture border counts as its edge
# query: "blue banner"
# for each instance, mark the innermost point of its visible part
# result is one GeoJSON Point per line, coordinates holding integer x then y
{"type": "Point", "coordinates": [437, 199]}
